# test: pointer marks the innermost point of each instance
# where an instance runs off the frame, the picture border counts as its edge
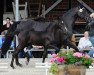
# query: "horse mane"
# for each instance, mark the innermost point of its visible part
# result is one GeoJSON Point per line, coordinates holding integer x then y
{"type": "Point", "coordinates": [52, 25]}
{"type": "Point", "coordinates": [71, 12]}
{"type": "Point", "coordinates": [40, 19]}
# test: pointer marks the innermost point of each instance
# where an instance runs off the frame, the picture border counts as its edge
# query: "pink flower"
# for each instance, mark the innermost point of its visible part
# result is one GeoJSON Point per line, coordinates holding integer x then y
{"type": "Point", "coordinates": [62, 57]}
{"type": "Point", "coordinates": [77, 54]}
{"type": "Point", "coordinates": [52, 60]}
{"type": "Point", "coordinates": [54, 55]}
{"type": "Point", "coordinates": [59, 59]}
{"type": "Point", "coordinates": [87, 56]}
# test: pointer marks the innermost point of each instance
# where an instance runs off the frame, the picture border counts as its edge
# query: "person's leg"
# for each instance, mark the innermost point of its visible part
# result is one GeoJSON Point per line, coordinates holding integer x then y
{"type": "Point", "coordinates": [52, 52]}
{"type": "Point", "coordinates": [30, 54]}
{"type": "Point", "coordinates": [90, 53]}
{"type": "Point", "coordinates": [20, 55]}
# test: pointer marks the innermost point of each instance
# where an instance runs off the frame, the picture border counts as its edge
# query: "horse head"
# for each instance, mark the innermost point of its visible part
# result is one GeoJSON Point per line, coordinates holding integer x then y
{"type": "Point", "coordinates": [70, 17]}
{"type": "Point", "coordinates": [89, 18]}
{"type": "Point", "coordinates": [83, 13]}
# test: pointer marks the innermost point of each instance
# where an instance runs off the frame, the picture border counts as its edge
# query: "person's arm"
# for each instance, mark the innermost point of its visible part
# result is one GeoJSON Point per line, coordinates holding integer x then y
{"type": "Point", "coordinates": [90, 45]}
{"type": "Point", "coordinates": [4, 22]}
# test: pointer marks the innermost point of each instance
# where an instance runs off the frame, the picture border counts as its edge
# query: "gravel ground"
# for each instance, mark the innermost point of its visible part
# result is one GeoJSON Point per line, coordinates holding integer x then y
{"type": "Point", "coordinates": [27, 69]}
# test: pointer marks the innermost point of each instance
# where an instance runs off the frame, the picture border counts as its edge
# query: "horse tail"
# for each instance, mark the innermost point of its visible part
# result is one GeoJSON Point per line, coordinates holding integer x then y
{"type": "Point", "coordinates": [8, 38]}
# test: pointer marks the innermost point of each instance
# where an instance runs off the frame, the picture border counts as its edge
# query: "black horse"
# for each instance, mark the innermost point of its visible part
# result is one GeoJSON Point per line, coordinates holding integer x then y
{"type": "Point", "coordinates": [53, 36]}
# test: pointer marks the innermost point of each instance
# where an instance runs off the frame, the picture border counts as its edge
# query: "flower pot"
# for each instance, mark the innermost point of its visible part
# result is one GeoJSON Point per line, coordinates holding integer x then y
{"type": "Point", "coordinates": [61, 70]}
{"type": "Point", "coordinates": [76, 70]}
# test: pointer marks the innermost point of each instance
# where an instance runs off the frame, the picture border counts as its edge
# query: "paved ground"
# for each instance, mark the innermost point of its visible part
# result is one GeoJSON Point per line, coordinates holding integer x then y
{"type": "Point", "coordinates": [27, 69]}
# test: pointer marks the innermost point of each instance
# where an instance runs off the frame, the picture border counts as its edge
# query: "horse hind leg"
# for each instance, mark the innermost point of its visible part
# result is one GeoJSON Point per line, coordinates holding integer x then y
{"type": "Point", "coordinates": [26, 56]}
{"type": "Point", "coordinates": [19, 48]}
{"type": "Point", "coordinates": [15, 57]}
{"type": "Point", "coordinates": [12, 62]}
{"type": "Point", "coordinates": [17, 61]}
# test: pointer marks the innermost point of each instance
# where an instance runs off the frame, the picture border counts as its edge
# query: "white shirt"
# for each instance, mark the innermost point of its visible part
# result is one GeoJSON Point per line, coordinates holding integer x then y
{"type": "Point", "coordinates": [84, 42]}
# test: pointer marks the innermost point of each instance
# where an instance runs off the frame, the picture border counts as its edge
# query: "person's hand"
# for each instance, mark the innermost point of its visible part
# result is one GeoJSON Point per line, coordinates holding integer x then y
{"type": "Point", "coordinates": [92, 15]}
{"type": "Point", "coordinates": [83, 48]}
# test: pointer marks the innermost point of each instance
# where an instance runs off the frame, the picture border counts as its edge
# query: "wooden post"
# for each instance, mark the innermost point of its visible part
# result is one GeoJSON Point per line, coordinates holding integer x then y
{"type": "Point", "coordinates": [51, 7]}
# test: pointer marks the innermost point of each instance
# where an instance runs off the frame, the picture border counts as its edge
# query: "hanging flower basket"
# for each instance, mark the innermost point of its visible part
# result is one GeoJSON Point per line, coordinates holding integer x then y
{"type": "Point", "coordinates": [70, 63]}
{"type": "Point", "coordinates": [76, 70]}
{"type": "Point", "coordinates": [61, 70]}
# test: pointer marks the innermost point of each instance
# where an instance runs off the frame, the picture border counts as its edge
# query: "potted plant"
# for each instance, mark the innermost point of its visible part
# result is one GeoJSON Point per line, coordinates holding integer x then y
{"type": "Point", "coordinates": [76, 60]}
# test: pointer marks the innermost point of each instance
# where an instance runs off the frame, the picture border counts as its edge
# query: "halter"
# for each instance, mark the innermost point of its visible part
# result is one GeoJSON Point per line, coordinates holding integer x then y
{"type": "Point", "coordinates": [63, 27]}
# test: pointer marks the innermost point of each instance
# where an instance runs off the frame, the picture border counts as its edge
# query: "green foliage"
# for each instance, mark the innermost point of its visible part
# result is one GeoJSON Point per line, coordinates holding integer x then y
{"type": "Point", "coordinates": [54, 68]}
{"type": "Point", "coordinates": [70, 58]}
{"type": "Point", "coordinates": [60, 54]}
{"type": "Point", "coordinates": [86, 62]}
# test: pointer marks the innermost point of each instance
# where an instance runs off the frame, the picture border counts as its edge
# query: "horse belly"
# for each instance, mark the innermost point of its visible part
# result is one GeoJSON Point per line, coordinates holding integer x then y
{"type": "Point", "coordinates": [36, 41]}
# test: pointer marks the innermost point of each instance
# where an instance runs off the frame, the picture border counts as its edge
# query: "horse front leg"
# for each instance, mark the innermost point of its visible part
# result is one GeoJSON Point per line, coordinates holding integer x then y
{"type": "Point", "coordinates": [72, 45]}
{"type": "Point", "coordinates": [44, 55]}
{"type": "Point", "coordinates": [45, 51]}
{"type": "Point", "coordinates": [56, 48]}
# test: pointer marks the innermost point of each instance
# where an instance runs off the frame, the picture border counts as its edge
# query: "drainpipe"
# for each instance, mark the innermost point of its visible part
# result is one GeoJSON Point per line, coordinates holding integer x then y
{"type": "Point", "coordinates": [17, 17]}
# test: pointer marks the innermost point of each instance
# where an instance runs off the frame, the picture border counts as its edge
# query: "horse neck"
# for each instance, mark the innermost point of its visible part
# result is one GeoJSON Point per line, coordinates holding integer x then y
{"type": "Point", "coordinates": [69, 17]}
{"type": "Point", "coordinates": [51, 27]}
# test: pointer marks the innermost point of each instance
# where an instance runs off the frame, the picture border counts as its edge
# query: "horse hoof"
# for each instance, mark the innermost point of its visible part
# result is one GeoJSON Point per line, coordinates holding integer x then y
{"type": "Point", "coordinates": [27, 62]}
{"type": "Point", "coordinates": [43, 61]}
{"type": "Point", "coordinates": [12, 66]}
{"type": "Point", "coordinates": [19, 65]}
